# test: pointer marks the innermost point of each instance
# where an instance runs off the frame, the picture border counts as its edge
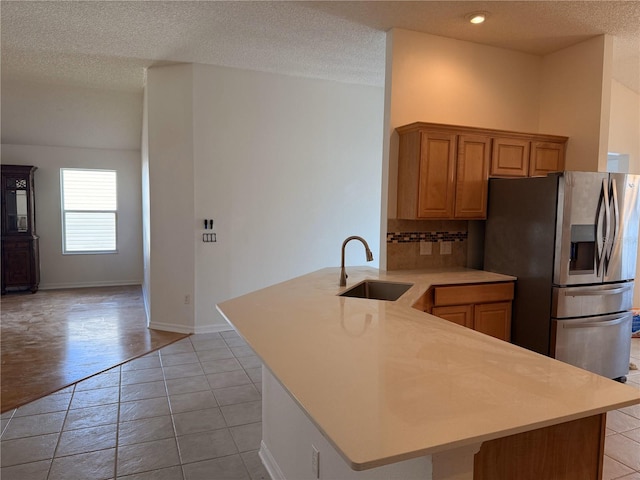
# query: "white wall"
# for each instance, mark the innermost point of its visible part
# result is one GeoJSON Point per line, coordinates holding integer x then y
{"type": "Point", "coordinates": [287, 167]}
{"type": "Point", "coordinates": [575, 101]}
{"type": "Point", "coordinates": [442, 80]}
{"type": "Point", "coordinates": [170, 269]}
{"type": "Point", "coordinates": [624, 128]}
{"type": "Point", "coordinates": [52, 127]}
{"type": "Point", "coordinates": [624, 137]}
{"type": "Point", "coordinates": [67, 116]}
{"type": "Point", "coordinates": [64, 271]}
{"type": "Point", "coordinates": [146, 206]}
{"type": "Point", "coordinates": [570, 92]}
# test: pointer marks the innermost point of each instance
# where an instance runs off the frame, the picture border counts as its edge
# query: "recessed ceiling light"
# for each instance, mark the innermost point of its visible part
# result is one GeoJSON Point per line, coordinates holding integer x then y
{"type": "Point", "coordinates": [477, 17]}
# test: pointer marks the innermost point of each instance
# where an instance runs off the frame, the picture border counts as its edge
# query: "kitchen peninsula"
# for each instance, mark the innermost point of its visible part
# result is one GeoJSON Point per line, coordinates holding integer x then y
{"type": "Point", "coordinates": [367, 389]}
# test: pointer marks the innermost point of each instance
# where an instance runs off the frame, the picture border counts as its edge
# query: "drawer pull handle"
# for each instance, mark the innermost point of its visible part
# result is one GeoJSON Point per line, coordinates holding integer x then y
{"type": "Point", "coordinates": [611, 291]}
{"type": "Point", "coordinates": [606, 323]}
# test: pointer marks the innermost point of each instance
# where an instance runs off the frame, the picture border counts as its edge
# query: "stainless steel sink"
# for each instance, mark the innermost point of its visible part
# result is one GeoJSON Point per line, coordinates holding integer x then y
{"type": "Point", "coordinates": [377, 290]}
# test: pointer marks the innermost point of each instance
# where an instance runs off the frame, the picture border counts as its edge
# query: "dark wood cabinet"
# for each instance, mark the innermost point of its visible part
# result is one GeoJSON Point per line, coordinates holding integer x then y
{"type": "Point", "coordinates": [20, 253]}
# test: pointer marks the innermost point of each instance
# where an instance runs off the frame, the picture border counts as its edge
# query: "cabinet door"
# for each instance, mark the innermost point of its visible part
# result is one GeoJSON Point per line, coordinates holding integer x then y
{"type": "Point", "coordinates": [546, 157]}
{"type": "Point", "coordinates": [571, 451]}
{"type": "Point", "coordinates": [437, 170]}
{"type": "Point", "coordinates": [510, 157]}
{"type": "Point", "coordinates": [460, 314]}
{"type": "Point", "coordinates": [16, 205]}
{"type": "Point", "coordinates": [493, 319]}
{"type": "Point", "coordinates": [16, 262]}
{"type": "Point", "coordinates": [472, 176]}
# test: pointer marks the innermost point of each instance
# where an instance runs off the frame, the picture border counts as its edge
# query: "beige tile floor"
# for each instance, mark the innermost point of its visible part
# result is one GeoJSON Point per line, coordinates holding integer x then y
{"type": "Point", "coordinates": [189, 411]}
{"type": "Point", "coordinates": [622, 444]}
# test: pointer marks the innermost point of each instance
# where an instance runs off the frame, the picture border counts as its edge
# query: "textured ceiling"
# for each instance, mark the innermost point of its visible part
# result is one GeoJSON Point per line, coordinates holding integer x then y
{"type": "Point", "coordinates": [107, 44]}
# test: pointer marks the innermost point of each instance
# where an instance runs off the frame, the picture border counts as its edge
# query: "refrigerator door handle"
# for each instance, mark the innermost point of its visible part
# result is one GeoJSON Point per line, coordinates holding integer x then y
{"type": "Point", "coordinates": [600, 291]}
{"type": "Point", "coordinates": [612, 236]}
{"type": "Point", "coordinates": [602, 223]}
{"type": "Point", "coordinates": [605, 323]}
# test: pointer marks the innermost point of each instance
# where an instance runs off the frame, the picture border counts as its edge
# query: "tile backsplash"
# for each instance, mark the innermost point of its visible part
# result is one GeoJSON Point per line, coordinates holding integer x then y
{"type": "Point", "coordinates": [433, 237]}
{"type": "Point", "coordinates": [405, 236]}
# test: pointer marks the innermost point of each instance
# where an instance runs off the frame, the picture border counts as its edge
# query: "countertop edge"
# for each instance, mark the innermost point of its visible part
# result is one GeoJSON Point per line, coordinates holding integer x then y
{"type": "Point", "coordinates": [406, 301]}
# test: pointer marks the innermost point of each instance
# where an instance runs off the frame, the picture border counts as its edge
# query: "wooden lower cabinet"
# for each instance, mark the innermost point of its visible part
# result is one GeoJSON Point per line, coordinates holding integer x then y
{"type": "Point", "coordinates": [567, 451]}
{"type": "Point", "coordinates": [486, 307]}
{"type": "Point", "coordinates": [460, 314]}
{"type": "Point", "coordinates": [493, 319]}
{"type": "Point", "coordinates": [490, 318]}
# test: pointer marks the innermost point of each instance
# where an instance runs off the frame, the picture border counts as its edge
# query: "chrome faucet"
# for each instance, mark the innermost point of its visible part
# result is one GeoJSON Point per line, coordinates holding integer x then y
{"type": "Point", "coordinates": [343, 272]}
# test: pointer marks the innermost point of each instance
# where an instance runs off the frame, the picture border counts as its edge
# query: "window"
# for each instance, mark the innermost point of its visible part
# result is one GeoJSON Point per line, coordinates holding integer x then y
{"type": "Point", "coordinates": [89, 209]}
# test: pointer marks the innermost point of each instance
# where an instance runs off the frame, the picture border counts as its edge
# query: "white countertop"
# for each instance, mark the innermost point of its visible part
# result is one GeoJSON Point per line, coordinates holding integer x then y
{"type": "Point", "coordinates": [385, 382]}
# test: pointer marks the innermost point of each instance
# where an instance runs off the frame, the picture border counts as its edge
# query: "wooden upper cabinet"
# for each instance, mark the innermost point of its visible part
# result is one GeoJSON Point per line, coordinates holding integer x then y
{"type": "Point", "coordinates": [436, 178]}
{"type": "Point", "coordinates": [520, 157]}
{"type": "Point", "coordinates": [443, 170]}
{"type": "Point", "coordinates": [472, 174]}
{"type": "Point", "coordinates": [443, 175]}
{"type": "Point", "coordinates": [510, 157]}
{"type": "Point", "coordinates": [426, 169]}
{"type": "Point", "coordinates": [546, 157]}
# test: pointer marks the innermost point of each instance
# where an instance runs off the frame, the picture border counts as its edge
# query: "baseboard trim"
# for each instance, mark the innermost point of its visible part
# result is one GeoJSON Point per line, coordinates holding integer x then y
{"type": "Point", "coordinates": [270, 463]}
{"type": "Point", "coordinates": [167, 327]}
{"type": "Point", "coordinates": [216, 328]}
{"type": "Point", "coordinates": [170, 327]}
{"type": "Point", "coordinates": [61, 286]}
{"type": "Point", "coordinates": [174, 327]}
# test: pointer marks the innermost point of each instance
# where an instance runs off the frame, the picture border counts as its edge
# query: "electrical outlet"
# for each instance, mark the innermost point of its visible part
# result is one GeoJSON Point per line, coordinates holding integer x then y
{"type": "Point", "coordinates": [187, 299]}
{"type": "Point", "coordinates": [315, 462]}
{"type": "Point", "coordinates": [426, 248]}
{"type": "Point", "coordinates": [445, 248]}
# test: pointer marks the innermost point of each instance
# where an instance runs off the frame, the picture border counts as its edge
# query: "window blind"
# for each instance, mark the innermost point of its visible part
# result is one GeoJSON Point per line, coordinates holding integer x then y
{"type": "Point", "coordinates": [89, 203]}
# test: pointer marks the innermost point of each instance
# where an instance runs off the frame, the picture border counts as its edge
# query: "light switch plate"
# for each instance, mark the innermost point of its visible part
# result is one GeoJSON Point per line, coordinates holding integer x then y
{"type": "Point", "coordinates": [445, 248]}
{"type": "Point", "coordinates": [426, 248]}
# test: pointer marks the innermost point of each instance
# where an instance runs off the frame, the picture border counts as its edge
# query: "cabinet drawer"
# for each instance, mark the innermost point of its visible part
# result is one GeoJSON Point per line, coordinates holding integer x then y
{"type": "Point", "coordinates": [10, 245]}
{"type": "Point", "coordinates": [477, 293]}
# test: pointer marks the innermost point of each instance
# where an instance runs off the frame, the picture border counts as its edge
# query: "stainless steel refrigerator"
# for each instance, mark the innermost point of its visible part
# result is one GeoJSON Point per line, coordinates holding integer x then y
{"type": "Point", "coordinates": [571, 239]}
